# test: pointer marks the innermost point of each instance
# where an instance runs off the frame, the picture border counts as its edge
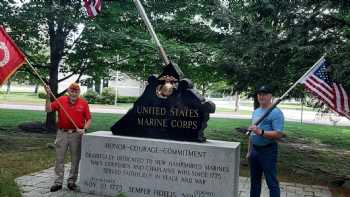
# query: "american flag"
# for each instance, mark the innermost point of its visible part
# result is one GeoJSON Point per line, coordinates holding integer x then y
{"type": "Point", "coordinates": [320, 85]}
{"type": "Point", "coordinates": [93, 7]}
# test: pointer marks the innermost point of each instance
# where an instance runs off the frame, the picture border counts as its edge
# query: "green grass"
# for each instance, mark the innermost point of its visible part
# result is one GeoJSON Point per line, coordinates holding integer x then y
{"type": "Point", "coordinates": [295, 106]}
{"type": "Point", "coordinates": [313, 154]}
{"type": "Point", "coordinates": [32, 98]}
{"type": "Point", "coordinates": [229, 110]}
{"type": "Point", "coordinates": [119, 105]}
{"type": "Point", "coordinates": [20, 97]}
{"type": "Point", "coordinates": [336, 137]}
{"type": "Point", "coordinates": [21, 153]}
{"type": "Point", "coordinates": [8, 187]}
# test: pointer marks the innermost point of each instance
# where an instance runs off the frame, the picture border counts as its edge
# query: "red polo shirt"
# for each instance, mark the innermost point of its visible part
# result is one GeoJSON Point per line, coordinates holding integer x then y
{"type": "Point", "coordinates": [79, 112]}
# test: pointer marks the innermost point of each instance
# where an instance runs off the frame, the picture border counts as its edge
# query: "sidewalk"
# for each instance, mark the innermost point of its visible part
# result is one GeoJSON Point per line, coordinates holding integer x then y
{"type": "Point", "coordinates": [38, 185]}
{"type": "Point", "coordinates": [294, 115]}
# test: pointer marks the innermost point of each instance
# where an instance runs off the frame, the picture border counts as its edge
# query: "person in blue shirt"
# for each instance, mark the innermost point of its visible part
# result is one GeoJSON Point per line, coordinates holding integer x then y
{"type": "Point", "coordinates": [262, 146]}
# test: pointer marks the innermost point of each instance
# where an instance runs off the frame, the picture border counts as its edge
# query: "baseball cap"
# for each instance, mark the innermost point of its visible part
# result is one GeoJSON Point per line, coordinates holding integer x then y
{"type": "Point", "coordinates": [264, 89]}
{"type": "Point", "coordinates": [74, 86]}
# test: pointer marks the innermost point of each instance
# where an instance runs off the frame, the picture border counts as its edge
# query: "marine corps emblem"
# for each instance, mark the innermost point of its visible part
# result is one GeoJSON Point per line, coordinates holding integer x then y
{"type": "Point", "coordinates": [4, 54]}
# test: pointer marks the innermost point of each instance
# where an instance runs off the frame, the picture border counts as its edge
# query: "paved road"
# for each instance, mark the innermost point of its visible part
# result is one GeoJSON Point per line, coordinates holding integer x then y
{"type": "Point", "coordinates": [290, 115]}
{"type": "Point", "coordinates": [296, 115]}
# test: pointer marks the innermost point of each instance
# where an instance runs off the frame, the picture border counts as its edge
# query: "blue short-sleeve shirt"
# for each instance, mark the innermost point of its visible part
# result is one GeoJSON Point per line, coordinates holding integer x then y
{"type": "Point", "coordinates": [273, 122]}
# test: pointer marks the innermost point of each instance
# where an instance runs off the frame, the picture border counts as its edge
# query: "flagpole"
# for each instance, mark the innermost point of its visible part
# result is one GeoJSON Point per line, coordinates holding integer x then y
{"type": "Point", "coordinates": [261, 118]}
{"type": "Point", "coordinates": [35, 71]}
{"type": "Point", "coordinates": [151, 31]}
{"type": "Point", "coordinates": [50, 92]}
{"type": "Point", "coordinates": [302, 77]}
{"type": "Point", "coordinates": [346, 115]}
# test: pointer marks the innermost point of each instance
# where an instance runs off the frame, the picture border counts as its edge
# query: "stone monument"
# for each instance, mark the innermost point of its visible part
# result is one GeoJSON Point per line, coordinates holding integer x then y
{"type": "Point", "coordinates": [137, 167]}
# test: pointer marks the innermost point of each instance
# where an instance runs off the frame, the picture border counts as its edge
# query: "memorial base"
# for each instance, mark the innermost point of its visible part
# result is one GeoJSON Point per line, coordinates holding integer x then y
{"type": "Point", "coordinates": [139, 167]}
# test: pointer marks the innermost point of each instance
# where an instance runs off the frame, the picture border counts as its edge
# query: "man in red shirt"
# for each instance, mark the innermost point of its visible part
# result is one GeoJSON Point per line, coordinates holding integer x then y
{"type": "Point", "coordinates": [69, 134]}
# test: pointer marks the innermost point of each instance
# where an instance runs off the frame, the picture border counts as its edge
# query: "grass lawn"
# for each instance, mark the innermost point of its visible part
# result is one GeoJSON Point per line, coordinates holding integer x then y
{"type": "Point", "coordinates": [295, 106]}
{"type": "Point", "coordinates": [231, 111]}
{"type": "Point", "coordinates": [311, 154]}
{"type": "Point", "coordinates": [20, 97]}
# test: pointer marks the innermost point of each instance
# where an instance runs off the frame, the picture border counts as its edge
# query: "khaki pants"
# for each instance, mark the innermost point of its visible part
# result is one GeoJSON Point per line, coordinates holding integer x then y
{"type": "Point", "coordinates": [62, 142]}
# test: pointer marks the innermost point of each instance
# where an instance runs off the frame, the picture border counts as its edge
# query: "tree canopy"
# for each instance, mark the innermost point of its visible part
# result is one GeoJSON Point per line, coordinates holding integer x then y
{"type": "Point", "coordinates": [277, 41]}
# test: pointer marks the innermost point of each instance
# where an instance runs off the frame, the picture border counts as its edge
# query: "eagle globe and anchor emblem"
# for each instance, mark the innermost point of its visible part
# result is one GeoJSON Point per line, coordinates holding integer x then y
{"type": "Point", "coordinates": [166, 88]}
{"type": "Point", "coordinates": [4, 54]}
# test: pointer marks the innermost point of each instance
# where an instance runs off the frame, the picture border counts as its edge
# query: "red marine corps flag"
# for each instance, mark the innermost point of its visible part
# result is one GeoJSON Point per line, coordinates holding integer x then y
{"type": "Point", "coordinates": [93, 7]}
{"type": "Point", "coordinates": [11, 58]}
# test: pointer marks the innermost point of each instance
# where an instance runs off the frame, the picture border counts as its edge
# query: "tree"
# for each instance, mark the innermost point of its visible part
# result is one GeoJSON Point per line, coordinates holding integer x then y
{"type": "Point", "coordinates": [44, 28]}
{"type": "Point", "coordinates": [277, 41]}
{"type": "Point", "coordinates": [47, 32]}
{"type": "Point", "coordinates": [194, 40]}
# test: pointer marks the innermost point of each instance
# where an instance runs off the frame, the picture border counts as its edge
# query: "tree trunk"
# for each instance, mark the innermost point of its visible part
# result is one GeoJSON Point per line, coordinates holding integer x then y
{"type": "Point", "coordinates": [236, 101]}
{"type": "Point", "coordinates": [8, 87]}
{"type": "Point", "coordinates": [53, 82]}
{"type": "Point", "coordinates": [256, 102]}
{"type": "Point", "coordinates": [98, 86]}
{"type": "Point", "coordinates": [36, 89]}
{"type": "Point", "coordinates": [90, 84]}
{"type": "Point", "coordinates": [204, 90]}
{"type": "Point", "coordinates": [105, 83]}
{"type": "Point", "coordinates": [57, 40]}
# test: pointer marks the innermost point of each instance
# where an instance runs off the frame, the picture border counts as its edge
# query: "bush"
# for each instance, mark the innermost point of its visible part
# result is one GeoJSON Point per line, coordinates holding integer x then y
{"type": "Point", "coordinates": [91, 96]}
{"type": "Point", "coordinates": [107, 96]}
{"type": "Point", "coordinates": [126, 99]}
{"type": "Point", "coordinates": [42, 95]}
{"type": "Point", "coordinates": [216, 94]}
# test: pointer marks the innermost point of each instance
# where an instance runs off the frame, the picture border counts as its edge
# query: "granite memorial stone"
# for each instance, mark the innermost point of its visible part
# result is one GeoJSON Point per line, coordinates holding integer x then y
{"type": "Point", "coordinates": [139, 167]}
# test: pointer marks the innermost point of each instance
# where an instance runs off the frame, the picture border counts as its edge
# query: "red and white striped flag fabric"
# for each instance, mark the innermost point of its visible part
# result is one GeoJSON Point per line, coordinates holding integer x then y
{"type": "Point", "coordinates": [341, 99]}
{"type": "Point", "coordinates": [332, 94]}
{"type": "Point", "coordinates": [11, 58]}
{"type": "Point", "coordinates": [93, 7]}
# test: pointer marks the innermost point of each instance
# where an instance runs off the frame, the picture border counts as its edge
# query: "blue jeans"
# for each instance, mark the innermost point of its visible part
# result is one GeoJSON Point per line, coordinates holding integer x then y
{"type": "Point", "coordinates": [263, 160]}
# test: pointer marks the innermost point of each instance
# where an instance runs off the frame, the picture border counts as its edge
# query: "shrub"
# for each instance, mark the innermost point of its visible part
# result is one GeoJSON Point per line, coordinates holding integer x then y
{"type": "Point", "coordinates": [126, 99]}
{"type": "Point", "coordinates": [107, 96]}
{"type": "Point", "coordinates": [91, 96]}
{"type": "Point", "coordinates": [42, 95]}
